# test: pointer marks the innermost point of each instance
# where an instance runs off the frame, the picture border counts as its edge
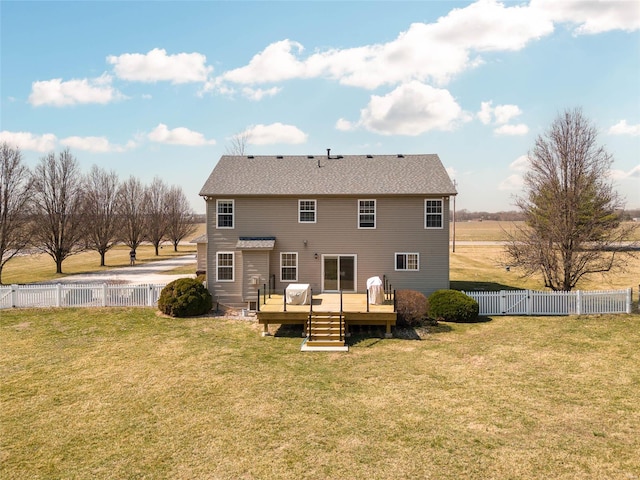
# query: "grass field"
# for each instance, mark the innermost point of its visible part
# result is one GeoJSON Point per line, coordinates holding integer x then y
{"type": "Point", "coordinates": [125, 393]}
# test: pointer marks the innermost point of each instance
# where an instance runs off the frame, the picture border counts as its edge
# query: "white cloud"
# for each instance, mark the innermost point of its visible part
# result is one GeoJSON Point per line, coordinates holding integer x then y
{"type": "Point", "coordinates": [486, 112]}
{"type": "Point", "coordinates": [94, 144]}
{"type": "Point", "coordinates": [275, 63]}
{"type": "Point", "coordinates": [157, 66]}
{"type": "Point", "coordinates": [426, 52]}
{"type": "Point", "coordinates": [178, 136]}
{"type": "Point", "coordinates": [500, 114]}
{"type": "Point", "coordinates": [411, 109]}
{"type": "Point", "coordinates": [29, 141]}
{"type": "Point", "coordinates": [519, 129]}
{"type": "Point", "coordinates": [258, 94]}
{"type": "Point", "coordinates": [344, 125]}
{"type": "Point", "coordinates": [622, 128]}
{"type": "Point", "coordinates": [512, 182]}
{"type": "Point", "coordinates": [275, 133]}
{"type": "Point", "coordinates": [504, 113]}
{"type": "Point", "coordinates": [593, 16]}
{"type": "Point", "coordinates": [622, 175]}
{"type": "Point", "coordinates": [520, 164]}
{"type": "Point", "coordinates": [78, 91]}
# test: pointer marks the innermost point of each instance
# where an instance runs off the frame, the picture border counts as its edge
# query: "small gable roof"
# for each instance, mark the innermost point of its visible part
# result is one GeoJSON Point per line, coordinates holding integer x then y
{"type": "Point", "coordinates": [309, 175]}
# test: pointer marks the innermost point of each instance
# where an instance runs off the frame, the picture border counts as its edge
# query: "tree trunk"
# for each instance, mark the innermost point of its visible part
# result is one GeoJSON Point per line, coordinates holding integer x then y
{"type": "Point", "coordinates": [156, 245]}
{"type": "Point", "coordinates": [175, 246]}
{"type": "Point", "coordinates": [102, 254]}
{"type": "Point", "coordinates": [58, 265]}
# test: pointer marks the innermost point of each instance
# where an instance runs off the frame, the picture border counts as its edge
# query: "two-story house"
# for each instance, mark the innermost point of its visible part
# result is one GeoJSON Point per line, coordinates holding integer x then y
{"type": "Point", "coordinates": [330, 221]}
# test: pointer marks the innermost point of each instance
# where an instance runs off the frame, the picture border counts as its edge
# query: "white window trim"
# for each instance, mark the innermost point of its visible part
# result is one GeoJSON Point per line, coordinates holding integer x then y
{"type": "Point", "coordinates": [395, 262]}
{"type": "Point", "coordinates": [424, 213]}
{"type": "Point", "coordinates": [281, 266]}
{"type": "Point", "coordinates": [375, 213]}
{"type": "Point", "coordinates": [233, 213]}
{"type": "Point", "coordinates": [233, 267]}
{"type": "Point", "coordinates": [315, 209]}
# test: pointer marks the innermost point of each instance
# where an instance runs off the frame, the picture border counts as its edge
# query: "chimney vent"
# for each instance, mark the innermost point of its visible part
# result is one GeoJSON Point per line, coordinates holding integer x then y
{"type": "Point", "coordinates": [328, 153]}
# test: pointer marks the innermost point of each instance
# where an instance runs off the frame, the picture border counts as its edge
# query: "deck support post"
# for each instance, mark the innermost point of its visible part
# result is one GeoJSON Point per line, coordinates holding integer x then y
{"type": "Point", "coordinates": [265, 330]}
{"type": "Point", "coordinates": [388, 333]}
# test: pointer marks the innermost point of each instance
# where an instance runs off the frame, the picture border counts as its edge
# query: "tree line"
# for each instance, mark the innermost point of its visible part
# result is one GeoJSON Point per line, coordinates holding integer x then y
{"type": "Point", "coordinates": [59, 210]}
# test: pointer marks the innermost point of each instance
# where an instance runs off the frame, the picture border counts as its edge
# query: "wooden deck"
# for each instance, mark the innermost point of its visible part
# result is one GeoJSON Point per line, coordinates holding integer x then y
{"type": "Point", "coordinates": [354, 309]}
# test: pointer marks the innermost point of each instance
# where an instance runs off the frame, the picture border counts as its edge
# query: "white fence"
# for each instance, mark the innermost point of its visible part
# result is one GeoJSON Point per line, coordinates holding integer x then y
{"type": "Point", "coordinates": [530, 302]}
{"type": "Point", "coordinates": [76, 295]}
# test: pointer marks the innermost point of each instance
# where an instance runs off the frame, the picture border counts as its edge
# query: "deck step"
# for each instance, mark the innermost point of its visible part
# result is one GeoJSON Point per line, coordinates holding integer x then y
{"type": "Point", "coordinates": [326, 333]}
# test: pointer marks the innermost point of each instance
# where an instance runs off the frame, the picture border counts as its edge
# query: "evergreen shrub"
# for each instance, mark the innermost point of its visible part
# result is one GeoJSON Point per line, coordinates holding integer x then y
{"type": "Point", "coordinates": [452, 306]}
{"type": "Point", "coordinates": [185, 297]}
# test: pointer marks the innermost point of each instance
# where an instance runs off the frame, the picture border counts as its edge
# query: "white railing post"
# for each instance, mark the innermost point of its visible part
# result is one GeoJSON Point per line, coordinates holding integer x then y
{"type": "Point", "coordinates": [503, 302]}
{"type": "Point", "coordinates": [628, 309]}
{"type": "Point", "coordinates": [579, 302]}
{"type": "Point", "coordinates": [14, 296]}
{"type": "Point", "coordinates": [59, 295]}
{"type": "Point", "coordinates": [105, 292]}
{"type": "Point", "coordinates": [150, 295]}
{"type": "Point", "coordinates": [529, 302]}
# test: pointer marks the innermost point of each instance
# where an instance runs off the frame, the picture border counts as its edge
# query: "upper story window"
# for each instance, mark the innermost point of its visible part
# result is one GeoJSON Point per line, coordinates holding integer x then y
{"type": "Point", "coordinates": [288, 266]}
{"type": "Point", "coordinates": [407, 261]}
{"type": "Point", "coordinates": [224, 209]}
{"type": "Point", "coordinates": [306, 211]}
{"type": "Point", "coordinates": [224, 267]}
{"type": "Point", "coordinates": [433, 214]}
{"type": "Point", "coordinates": [366, 214]}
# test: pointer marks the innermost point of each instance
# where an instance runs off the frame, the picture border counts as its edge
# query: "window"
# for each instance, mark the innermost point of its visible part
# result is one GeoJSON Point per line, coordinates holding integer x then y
{"type": "Point", "coordinates": [366, 214]}
{"type": "Point", "coordinates": [224, 270]}
{"type": "Point", "coordinates": [288, 267]}
{"type": "Point", "coordinates": [407, 261]}
{"type": "Point", "coordinates": [306, 211]}
{"type": "Point", "coordinates": [225, 213]}
{"type": "Point", "coordinates": [433, 214]}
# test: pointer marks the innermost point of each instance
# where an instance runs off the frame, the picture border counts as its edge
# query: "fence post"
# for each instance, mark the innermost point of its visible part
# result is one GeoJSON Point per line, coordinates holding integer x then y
{"type": "Point", "coordinates": [150, 296]}
{"type": "Point", "coordinates": [629, 300]}
{"type": "Point", "coordinates": [579, 302]}
{"type": "Point", "coordinates": [14, 296]}
{"type": "Point", "coordinates": [105, 292]}
{"type": "Point", "coordinates": [59, 295]}
{"type": "Point", "coordinates": [503, 302]}
{"type": "Point", "coordinates": [529, 302]}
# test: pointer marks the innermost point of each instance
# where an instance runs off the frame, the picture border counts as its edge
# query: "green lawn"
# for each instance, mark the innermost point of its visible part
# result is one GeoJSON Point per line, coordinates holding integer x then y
{"type": "Point", "coordinates": [126, 393]}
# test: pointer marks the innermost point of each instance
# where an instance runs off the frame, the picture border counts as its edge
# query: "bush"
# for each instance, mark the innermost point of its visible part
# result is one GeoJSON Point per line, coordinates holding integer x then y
{"type": "Point", "coordinates": [452, 306]}
{"type": "Point", "coordinates": [185, 297]}
{"type": "Point", "coordinates": [411, 308]}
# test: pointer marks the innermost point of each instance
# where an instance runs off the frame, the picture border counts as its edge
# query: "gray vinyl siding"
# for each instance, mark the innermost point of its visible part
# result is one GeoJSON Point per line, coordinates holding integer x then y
{"type": "Point", "coordinates": [399, 228]}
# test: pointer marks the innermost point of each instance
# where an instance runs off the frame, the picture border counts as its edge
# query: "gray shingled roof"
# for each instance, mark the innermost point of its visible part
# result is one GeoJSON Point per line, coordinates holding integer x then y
{"type": "Point", "coordinates": [319, 175]}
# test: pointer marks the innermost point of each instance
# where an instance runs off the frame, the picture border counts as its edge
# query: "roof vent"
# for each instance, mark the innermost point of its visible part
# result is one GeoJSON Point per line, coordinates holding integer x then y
{"type": "Point", "coordinates": [310, 156]}
{"type": "Point", "coordinates": [339, 156]}
{"type": "Point", "coordinates": [328, 153]}
{"type": "Point", "coordinates": [279, 156]}
{"type": "Point", "coordinates": [400, 155]}
{"type": "Point", "coordinates": [250, 156]}
{"type": "Point", "coordinates": [369, 156]}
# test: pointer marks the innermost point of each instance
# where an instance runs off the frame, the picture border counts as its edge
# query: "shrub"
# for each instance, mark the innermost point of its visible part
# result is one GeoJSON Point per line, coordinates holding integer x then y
{"type": "Point", "coordinates": [411, 308]}
{"type": "Point", "coordinates": [452, 306]}
{"type": "Point", "coordinates": [185, 297]}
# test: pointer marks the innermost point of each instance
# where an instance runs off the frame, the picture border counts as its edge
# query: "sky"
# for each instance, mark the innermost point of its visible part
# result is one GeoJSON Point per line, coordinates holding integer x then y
{"type": "Point", "coordinates": [160, 88]}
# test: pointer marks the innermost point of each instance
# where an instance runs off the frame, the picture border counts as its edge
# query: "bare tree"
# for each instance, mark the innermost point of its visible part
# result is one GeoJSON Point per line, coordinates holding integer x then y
{"type": "Point", "coordinates": [572, 213]}
{"type": "Point", "coordinates": [155, 209]}
{"type": "Point", "coordinates": [131, 212]}
{"type": "Point", "coordinates": [58, 195]}
{"type": "Point", "coordinates": [180, 216]}
{"type": "Point", "coordinates": [238, 143]}
{"type": "Point", "coordinates": [15, 203]}
{"type": "Point", "coordinates": [100, 209]}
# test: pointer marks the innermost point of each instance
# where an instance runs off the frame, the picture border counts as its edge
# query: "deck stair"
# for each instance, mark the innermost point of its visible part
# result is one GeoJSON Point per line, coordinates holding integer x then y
{"type": "Point", "coordinates": [325, 332]}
